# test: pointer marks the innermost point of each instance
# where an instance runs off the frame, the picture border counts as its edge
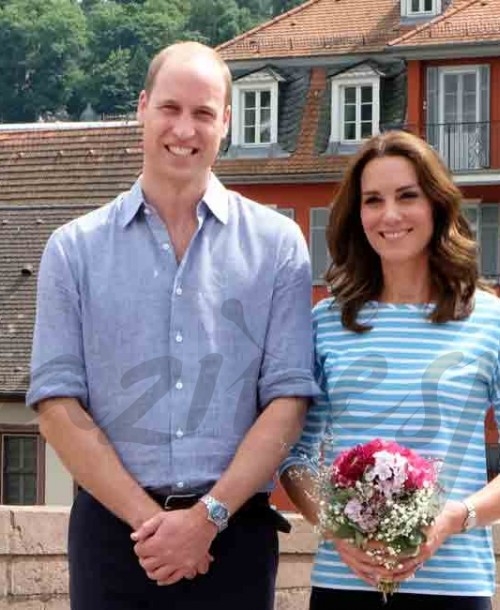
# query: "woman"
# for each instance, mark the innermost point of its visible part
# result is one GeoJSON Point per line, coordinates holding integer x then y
{"type": "Point", "coordinates": [406, 349]}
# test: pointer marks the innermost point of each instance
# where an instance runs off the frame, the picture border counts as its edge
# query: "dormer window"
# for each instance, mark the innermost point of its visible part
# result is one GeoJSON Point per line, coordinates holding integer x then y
{"type": "Point", "coordinates": [255, 109]}
{"type": "Point", "coordinates": [420, 8]}
{"type": "Point", "coordinates": [355, 105]}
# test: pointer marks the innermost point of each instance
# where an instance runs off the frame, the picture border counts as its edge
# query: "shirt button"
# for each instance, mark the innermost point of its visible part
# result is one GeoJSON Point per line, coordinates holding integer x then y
{"type": "Point", "coordinates": [166, 246]}
{"type": "Point", "coordinates": [178, 291]}
{"type": "Point", "coordinates": [179, 385]}
{"type": "Point", "coordinates": [178, 338]}
{"type": "Point", "coordinates": [179, 433]}
{"type": "Point", "coordinates": [180, 484]}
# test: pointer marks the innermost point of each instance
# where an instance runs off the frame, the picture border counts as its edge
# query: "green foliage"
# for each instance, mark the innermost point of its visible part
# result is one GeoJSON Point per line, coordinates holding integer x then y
{"type": "Point", "coordinates": [41, 42]}
{"type": "Point", "coordinates": [281, 6]}
{"type": "Point", "coordinates": [59, 55]}
{"type": "Point", "coordinates": [218, 20]}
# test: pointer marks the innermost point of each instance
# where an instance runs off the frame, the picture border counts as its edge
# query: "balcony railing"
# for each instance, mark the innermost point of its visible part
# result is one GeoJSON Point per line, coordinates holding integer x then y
{"type": "Point", "coordinates": [464, 146]}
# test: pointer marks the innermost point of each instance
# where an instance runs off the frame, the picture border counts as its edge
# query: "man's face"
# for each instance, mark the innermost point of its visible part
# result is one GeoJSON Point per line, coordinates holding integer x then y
{"type": "Point", "coordinates": [184, 118]}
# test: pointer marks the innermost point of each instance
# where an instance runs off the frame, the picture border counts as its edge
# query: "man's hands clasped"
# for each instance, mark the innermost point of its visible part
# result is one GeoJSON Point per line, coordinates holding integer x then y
{"type": "Point", "coordinates": [175, 544]}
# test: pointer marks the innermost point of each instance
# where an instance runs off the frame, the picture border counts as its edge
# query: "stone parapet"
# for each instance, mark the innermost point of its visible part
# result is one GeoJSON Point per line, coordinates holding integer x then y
{"type": "Point", "coordinates": [34, 573]}
{"type": "Point", "coordinates": [33, 566]}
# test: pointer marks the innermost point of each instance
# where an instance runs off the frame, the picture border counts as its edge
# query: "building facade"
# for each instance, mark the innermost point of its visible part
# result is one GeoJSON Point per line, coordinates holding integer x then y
{"type": "Point", "coordinates": [308, 88]}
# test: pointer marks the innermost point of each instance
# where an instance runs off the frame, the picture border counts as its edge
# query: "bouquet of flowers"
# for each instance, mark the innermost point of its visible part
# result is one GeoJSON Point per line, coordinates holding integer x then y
{"type": "Point", "coordinates": [381, 496]}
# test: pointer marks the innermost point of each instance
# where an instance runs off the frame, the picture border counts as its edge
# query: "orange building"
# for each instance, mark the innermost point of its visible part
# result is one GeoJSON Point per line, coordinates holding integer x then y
{"type": "Point", "coordinates": [311, 84]}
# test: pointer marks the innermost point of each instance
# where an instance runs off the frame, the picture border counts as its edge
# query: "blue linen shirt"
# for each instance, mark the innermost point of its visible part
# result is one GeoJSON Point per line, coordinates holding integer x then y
{"type": "Point", "coordinates": [174, 361]}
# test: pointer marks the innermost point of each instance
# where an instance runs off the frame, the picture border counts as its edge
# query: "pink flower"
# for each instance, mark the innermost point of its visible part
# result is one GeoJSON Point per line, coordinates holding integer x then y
{"type": "Point", "coordinates": [421, 472]}
{"type": "Point", "coordinates": [351, 465]}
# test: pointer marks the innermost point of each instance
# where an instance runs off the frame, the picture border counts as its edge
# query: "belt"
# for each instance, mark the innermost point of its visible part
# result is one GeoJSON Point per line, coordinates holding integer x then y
{"type": "Point", "coordinates": [252, 507]}
{"type": "Point", "coordinates": [188, 499]}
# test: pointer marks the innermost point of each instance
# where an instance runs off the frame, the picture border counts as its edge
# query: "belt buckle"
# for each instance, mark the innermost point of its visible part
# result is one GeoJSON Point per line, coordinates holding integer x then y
{"type": "Point", "coordinates": [176, 497]}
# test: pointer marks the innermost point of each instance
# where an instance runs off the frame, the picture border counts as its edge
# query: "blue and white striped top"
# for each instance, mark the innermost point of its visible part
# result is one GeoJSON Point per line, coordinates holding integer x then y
{"type": "Point", "coordinates": [426, 386]}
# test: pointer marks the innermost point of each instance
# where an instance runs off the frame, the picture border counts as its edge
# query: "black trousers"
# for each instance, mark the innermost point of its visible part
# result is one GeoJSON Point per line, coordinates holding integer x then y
{"type": "Point", "coordinates": [338, 599]}
{"type": "Point", "coordinates": [105, 573]}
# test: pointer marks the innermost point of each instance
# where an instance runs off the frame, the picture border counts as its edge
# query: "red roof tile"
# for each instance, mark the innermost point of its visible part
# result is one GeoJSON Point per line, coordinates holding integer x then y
{"type": "Point", "coordinates": [465, 21]}
{"type": "Point", "coordinates": [320, 27]}
{"type": "Point", "coordinates": [86, 164]}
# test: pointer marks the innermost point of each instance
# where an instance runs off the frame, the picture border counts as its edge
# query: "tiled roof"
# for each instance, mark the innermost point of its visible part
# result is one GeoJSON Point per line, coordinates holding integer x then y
{"type": "Point", "coordinates": [73, 166]}
{"type": "Point", "coordinates": [465, 21]}
{"type": "Point", "coordinates": [23, 233]}
{"type": "Point", "coordinates": [320, 27]}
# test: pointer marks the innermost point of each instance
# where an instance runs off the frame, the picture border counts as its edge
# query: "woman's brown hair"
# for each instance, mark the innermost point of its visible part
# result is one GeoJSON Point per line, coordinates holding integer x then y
{"type": "Point", "coordinates": [355, 274]}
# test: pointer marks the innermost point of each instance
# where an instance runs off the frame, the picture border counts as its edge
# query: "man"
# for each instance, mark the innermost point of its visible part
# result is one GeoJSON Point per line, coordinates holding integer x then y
{"type": "Point", "coordinates": [171, 365]}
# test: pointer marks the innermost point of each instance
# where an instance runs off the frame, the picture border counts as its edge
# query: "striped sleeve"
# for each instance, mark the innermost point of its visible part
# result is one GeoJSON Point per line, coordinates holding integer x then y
{"type": "Point", "coordinates": [308, 450]}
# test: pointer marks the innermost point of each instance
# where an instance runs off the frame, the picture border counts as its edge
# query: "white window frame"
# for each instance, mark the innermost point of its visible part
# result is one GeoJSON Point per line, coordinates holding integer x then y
{"type": "Point", "coordinates": [264, 82]}
{"type": "Point", "coordinates": [463, 69]}
{"type": "Point", "coordinates": [339, 83]}
{"type": "Point", "coordinates": [406, 9]}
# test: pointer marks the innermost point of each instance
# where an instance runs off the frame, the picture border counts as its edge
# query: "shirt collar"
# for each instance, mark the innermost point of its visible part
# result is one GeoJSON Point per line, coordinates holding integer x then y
{"type": "Point", "coordinates": [216, 198]}
{"type": "Point", "coordinates": [131, 203]}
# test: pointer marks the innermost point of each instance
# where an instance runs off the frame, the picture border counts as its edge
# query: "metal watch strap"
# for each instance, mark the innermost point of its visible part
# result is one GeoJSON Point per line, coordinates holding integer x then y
{"type": "Point", "coordinates": [470, 520]}
{"type": "Point", "coordinates": [217, 512]}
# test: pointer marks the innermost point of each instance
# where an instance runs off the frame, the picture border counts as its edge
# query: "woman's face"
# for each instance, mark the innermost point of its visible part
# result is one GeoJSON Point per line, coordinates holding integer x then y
{"type": "Point", "coordinates": [396, 215]}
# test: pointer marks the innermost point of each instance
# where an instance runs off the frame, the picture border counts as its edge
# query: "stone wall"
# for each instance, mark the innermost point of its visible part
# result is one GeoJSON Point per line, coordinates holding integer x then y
{"type": "Point", "coordinates": [34, 575]}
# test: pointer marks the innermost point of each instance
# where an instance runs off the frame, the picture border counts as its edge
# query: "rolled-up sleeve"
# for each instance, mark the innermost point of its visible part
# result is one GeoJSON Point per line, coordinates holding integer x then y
{"type": "Point", "coordinates": [57, 364]}
{"type": "Point", "coordinates": [287, 363]}
{"type": "Point", "coordinates": [308, 449]}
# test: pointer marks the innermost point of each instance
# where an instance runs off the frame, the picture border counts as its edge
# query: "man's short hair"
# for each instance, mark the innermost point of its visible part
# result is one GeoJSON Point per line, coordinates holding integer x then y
{"type": "Point", "coordinates": [187, 50]}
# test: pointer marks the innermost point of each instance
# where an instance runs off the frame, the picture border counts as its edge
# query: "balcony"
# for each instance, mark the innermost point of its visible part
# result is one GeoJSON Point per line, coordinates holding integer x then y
{"type": "Point", "coordinates": [466, 146]}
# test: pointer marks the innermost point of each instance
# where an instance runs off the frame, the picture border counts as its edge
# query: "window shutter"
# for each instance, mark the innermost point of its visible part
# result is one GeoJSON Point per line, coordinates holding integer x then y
{"type": "Point", "coordinates": [432, 106]}
{"type": "Point", "coordinates": [489, 239]}
{"type": "Point", "coordinates": [484, 114]}
{"type": "Point", "coordinates": [319, 251]}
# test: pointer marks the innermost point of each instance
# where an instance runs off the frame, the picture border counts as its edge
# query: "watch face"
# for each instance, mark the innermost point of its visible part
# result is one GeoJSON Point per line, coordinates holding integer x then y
{"type": "Point", "coordinates": [219, 512]}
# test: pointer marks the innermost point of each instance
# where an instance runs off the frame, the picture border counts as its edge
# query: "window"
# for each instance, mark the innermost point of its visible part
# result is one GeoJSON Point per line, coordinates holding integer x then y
{"type": "Point", "coordinates": [288, 212]}
{"type": "Point", "coordinates": [357, 112]}
{"type": "Point", "coordinates": [458, 115]}
{"type": "Point", "coordinates": [320, 258]}
{"type": "Point", "coordinates": [417, 8]}
{"type": "Point", "coordinates": [23, 465]}
{"type": "Point", "coordinates": [255, 109]}
{"type": "Point", "coordinates": [355, 106]}
{"type": "Point", "coordinates": [484, 221]}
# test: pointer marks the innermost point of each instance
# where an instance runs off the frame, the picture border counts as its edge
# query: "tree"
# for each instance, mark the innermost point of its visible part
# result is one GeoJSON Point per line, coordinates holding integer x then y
{"type": "Point", "coordinates": [41, 42]}
{"type": "Point", "coordinates": [59, 55]}
{"type": "Point", "coordinates": [123, 37]}
{"type": "Point", "coordinates": [218, 20]}
{"type": "Point", "coordinates": [110, 90]}
{"type": "Point", "coordinates": [281, 6]}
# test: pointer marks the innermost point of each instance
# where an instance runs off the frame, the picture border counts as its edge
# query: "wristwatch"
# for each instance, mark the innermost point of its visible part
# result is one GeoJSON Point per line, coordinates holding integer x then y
{"type": "Point", "coordinates": [470, 520]}
{"type": "Point", "coordinates": [218, 512]}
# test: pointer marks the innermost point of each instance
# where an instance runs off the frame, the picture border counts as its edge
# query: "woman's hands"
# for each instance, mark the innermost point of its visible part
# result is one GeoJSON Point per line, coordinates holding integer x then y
{"type": "Point", "coordinates": [365, 566]}
{"type": "Point", "coordinates": [449, 521]}
{"type": "Point", "coordinates": [371, 569]}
